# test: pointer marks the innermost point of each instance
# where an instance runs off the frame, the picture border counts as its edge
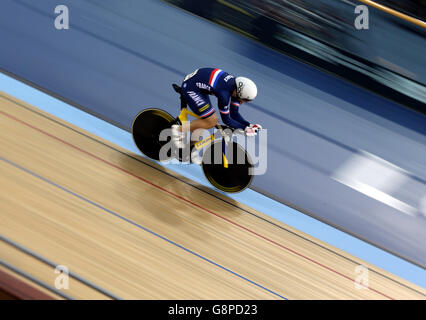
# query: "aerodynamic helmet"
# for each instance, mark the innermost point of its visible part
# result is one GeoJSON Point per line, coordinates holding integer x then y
{"type": "Point", "coordinates": [246, 89]}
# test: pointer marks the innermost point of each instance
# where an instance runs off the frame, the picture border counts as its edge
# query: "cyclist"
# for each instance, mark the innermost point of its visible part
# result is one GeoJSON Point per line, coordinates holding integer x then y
{"type": "Point", "coordinates": [231, 92]}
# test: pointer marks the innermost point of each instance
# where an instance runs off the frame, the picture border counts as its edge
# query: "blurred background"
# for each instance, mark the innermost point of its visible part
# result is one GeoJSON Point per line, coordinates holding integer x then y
{"type": "Point", "coordinates": [322, 33]}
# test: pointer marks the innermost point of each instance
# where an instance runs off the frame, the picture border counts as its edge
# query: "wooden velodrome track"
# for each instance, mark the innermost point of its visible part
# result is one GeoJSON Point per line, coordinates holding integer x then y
{"type": "Point", "coordinates": [128, 228]}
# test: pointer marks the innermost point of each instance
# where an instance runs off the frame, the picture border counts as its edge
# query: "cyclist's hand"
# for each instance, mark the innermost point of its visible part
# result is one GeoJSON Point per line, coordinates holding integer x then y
{"type": "Point", "coordinates": [256, 126]}
{"type": "Point", "coordinates": [250, 132]}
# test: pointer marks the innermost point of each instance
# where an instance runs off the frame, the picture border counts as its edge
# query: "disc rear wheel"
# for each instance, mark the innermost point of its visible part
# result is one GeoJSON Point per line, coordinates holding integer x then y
{"type": "Point", "coordinates": [146, 129]}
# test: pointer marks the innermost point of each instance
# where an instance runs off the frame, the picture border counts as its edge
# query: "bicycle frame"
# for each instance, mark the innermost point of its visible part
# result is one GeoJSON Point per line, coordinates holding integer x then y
{"type": "Point", "coordinates": [183, 117]}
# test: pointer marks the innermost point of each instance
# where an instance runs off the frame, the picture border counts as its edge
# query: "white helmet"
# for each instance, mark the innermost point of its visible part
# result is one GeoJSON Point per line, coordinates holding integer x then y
{"type": "Point", "coordinates": [246, 89]}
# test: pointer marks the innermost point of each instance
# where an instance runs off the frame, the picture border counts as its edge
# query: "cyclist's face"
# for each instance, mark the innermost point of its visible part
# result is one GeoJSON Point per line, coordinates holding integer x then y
{"type": "Point", "coordinates": [241, 101]}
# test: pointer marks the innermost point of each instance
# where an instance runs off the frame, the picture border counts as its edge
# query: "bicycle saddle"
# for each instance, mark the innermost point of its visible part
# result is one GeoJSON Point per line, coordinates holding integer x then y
{"type": "Point", "coordinates": [177, 88]}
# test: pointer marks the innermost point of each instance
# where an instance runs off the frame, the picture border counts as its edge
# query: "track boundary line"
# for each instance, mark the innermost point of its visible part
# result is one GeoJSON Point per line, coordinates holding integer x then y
{"type": "Point", "coordinates": [54, 265]}
{"type": "Point", "coordinates": [34, 279]}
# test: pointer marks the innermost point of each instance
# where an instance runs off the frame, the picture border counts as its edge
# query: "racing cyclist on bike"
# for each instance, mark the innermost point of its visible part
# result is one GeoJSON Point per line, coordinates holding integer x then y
{"type": "Point", "coordinates": [231, 92]}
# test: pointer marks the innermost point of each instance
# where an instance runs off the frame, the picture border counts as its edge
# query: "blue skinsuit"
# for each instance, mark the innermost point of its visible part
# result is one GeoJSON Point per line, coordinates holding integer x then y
{"type": "Point", "coordinates": [197, 87]}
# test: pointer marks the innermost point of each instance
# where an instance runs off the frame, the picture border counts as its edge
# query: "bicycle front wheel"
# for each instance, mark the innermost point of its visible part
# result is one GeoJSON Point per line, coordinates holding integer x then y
{"type": "Point", "coordinates": [236, 177]}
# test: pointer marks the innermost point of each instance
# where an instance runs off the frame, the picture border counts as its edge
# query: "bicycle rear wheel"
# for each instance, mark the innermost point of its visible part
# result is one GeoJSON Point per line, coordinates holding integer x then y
{"type": "Point", "coordinates": [237, 176]}
{"type": "Point", "coordinates": [146, 129]}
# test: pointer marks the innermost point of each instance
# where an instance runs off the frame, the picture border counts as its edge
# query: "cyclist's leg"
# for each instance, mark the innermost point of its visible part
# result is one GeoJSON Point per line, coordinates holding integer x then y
{"type": "Point", "coordinates": [204, 123]}
{"type": "Point", "coordinates": [200, 104]}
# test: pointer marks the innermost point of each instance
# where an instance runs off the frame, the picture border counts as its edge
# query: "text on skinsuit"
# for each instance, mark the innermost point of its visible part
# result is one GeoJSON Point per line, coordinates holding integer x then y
{"type": "Point", "coordinates": [199, 101]}
{"type": "Point", "coordinates": [203, 86]}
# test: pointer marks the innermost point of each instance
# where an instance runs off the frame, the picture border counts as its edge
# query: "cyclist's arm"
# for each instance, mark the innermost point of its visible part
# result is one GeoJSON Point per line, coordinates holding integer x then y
{"type": "Point", "coordinates": [235, 114]}
{"type": "Point", "coordinates": [224, 114]}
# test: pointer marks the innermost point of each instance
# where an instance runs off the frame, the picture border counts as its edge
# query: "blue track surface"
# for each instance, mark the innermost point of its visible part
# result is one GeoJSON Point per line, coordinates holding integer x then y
{"type": "Point", "coordinates": [119, 57]}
